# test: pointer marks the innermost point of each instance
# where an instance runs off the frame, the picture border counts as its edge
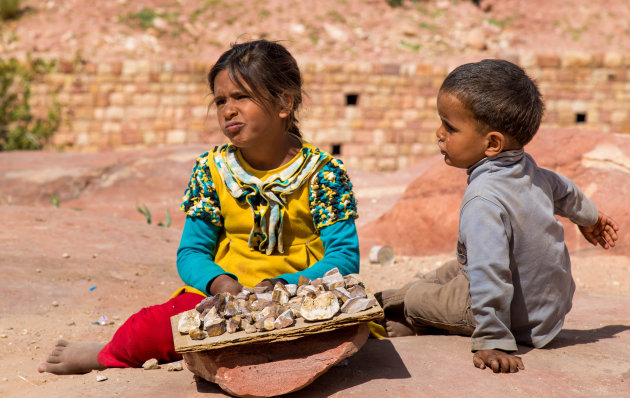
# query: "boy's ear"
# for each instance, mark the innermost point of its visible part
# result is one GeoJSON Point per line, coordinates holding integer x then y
{"type": "Point", "coordinates": [495, 143]}
{"type": "Point", "coordinates": [286, 105]}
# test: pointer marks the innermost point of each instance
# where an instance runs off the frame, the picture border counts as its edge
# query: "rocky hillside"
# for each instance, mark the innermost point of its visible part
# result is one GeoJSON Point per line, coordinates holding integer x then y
{"type": "Point", "coordinates": [433, 31]}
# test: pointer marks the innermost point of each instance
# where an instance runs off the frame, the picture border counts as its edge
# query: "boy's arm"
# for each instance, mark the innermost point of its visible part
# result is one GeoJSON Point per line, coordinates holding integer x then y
{"type": "Point", "coordinates": [572, 203]}
{"type": "Point", "coordinates": [484, 232]}
{"type": "Point", "coordinates": [569, 201]}
{"type": "Point", "coordinates": [604, 231]}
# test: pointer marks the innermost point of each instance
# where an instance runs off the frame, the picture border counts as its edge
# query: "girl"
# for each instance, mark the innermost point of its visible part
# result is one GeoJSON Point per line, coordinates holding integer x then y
{"type": "Point", "coordinates": [266, 207]}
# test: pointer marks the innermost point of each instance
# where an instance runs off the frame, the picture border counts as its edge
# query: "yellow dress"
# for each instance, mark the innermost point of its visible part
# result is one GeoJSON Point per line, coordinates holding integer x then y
{"type": "Point", "coordinates": [247, 244]}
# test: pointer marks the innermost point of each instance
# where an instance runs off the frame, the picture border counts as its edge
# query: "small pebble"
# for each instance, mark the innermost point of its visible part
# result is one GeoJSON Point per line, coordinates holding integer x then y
{"type": "Point", "coordinates": [151, 364]}
{"type": "Point", "coordinates": [55, 304]}
{"type": "Point", "coordinates": [175, 367]}
{"type": "Point", "coordinates": [5, 379]}
{"type": "Point", "coordinates": [38, 270]}
{"type": "Point", "coordinates": [65, 255]}
{"type": "Point", "coordinates": [4, 336]}
{"type": "Point", "coordinates": [101, 377]}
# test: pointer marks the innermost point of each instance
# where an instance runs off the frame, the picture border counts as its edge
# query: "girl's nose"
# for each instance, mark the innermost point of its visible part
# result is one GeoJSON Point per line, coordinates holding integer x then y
{"type": "Point", "coordinates": [229, 110]}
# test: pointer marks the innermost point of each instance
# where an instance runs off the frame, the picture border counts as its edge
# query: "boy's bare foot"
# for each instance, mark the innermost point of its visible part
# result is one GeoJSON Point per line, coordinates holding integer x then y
{"type": "Point", "coordinates": [70, 357]}
{"type": "Point", "coordinates": [398, 327]}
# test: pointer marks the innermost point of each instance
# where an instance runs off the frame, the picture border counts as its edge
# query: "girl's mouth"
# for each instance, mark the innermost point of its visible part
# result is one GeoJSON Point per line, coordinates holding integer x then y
{"type": "Point", "coordinates": [233, 127]}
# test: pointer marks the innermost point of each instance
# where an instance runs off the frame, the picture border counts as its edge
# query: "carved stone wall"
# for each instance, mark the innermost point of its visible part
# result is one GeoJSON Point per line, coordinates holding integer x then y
{"type": "Point", "coordinates": [375, 116]}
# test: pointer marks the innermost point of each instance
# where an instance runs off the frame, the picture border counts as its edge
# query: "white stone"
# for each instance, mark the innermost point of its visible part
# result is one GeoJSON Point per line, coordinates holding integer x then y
{"type": "Point", "coordinates": [324, 306]}
{"type": "Point", "coordinates": [188, 321]}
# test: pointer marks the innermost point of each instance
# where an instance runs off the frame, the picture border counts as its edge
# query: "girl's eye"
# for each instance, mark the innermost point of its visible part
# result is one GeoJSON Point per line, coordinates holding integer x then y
{"type": "Point", "coordinates": [242, 97]}
{"type": "Point", "coordinates": [219, 102]}
{"type": "Point", "coordinates": [448, 127]}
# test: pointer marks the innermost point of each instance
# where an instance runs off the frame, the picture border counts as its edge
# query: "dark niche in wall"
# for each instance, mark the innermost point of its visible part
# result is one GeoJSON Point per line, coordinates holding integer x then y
{"type": "Point", "coordinates": [352, 99]}
{"type": "Point", "coordinates": [580, 118]}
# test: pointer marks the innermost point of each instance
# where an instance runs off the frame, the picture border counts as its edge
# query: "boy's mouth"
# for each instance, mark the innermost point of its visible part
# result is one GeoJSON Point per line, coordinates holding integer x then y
{"type": "Point", "coordinates": [442, 151]}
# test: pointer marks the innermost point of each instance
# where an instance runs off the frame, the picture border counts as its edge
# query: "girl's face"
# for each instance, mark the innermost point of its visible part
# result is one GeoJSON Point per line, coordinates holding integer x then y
{"type": "Point", "coordinates": [244, 121]}
{"type": "Point", "coordinates": [458, 139]}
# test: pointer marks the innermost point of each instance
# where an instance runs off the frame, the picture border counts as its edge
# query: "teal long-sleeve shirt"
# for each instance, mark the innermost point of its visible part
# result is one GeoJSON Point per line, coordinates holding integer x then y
{"type": "Point", "coordinates": [195, 256]}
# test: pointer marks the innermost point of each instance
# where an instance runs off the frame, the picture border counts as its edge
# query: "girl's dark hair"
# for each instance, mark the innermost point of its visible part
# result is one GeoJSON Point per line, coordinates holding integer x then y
{"type": "Point", "coordinates": [269, 71]}
{"type": "Point", "coordinates": [500, 96]}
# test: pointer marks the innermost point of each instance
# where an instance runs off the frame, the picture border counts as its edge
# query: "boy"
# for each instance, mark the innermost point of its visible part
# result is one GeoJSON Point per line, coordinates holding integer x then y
{"type": "Point", "coordinates": [512, 280]}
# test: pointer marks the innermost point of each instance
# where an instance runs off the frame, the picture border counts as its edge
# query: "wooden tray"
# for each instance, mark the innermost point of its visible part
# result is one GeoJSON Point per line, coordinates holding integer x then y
{"type": "Point", "coordinates": [301, 328]}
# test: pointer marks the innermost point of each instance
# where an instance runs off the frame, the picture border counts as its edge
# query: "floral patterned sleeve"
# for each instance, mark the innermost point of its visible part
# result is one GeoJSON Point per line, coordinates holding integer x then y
{"type": "Point", "coordinates": [201, 199]}
{"type": "Point", "coordinates": [331, 197]}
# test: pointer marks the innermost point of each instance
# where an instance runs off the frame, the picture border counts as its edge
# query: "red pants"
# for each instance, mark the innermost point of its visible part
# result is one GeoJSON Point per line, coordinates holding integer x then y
{"type": "Point", "coordinates": [147, 334]}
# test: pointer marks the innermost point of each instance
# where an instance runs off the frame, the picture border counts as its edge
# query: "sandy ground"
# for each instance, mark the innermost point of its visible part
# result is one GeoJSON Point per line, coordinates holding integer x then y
{"type": "Point", "coordinates": [64, 268]}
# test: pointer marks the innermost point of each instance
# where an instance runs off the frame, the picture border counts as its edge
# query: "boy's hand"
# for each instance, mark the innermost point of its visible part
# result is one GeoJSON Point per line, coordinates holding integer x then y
{"type": "Point", "coordinates": [498, 361]}
{"type": "Point", "coordinates": [225, 284]}
{"type": "Point", "coordinates": [603, 232]}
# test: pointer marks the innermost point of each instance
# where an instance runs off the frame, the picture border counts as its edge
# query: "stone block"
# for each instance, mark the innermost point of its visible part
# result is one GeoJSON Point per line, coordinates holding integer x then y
{"type": "Point", "coordinates": [548, 60]}
{"type": "Point", "coordinates": [271, 369]}
{"type": "Point", "coordinates": [368, 164]}
{"type": "Point", "coordinates": [386, 164]}
{"type": "Point", "coordinates": [576, 59]}
{"type": "Point", "coordinates": [613, 60]}
{"type": "Point", "coordinates": [114, 113]}
{"type": "Point", "coordinates": [176, 137]}
{"type": "Point", "coordinates": [118, 98]}
{"type": "Point", "coordinates": [619, 116]}
{"type": "Point", "coordinates": [566, 75]}
{"type": "Point", "coordinates": [129, 67]}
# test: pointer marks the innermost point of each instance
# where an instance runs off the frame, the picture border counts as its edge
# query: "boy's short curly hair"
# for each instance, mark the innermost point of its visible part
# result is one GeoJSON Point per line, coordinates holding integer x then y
{"type": "Point", "coordinates": [500, 96]}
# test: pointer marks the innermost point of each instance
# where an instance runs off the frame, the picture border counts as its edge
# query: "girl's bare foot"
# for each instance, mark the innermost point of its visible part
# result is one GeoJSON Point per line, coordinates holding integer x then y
{"type": "Point", "coordinates": [398, 327]}
{"type": "Point", "coordinates": [70, 357]}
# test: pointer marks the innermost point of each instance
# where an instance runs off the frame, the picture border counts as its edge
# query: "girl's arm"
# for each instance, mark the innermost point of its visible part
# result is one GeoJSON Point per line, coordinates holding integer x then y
{"type": "Point", "coordinates": [195, 256]}
{"type": "Point", "coordinates": [341, 246]}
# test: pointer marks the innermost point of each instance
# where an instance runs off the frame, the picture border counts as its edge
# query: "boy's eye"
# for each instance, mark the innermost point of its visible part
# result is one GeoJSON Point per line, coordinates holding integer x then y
{"type": "Point", "coordinates": [448, 127]}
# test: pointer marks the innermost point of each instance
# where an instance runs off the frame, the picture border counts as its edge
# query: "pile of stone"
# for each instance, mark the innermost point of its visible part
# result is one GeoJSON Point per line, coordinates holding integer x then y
{"type": "Point", "coordinates": [261, 309]}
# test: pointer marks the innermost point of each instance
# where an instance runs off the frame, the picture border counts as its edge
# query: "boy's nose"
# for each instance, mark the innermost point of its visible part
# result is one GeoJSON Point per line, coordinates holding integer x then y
{"type": "Point", "coordinates": [439, 134]}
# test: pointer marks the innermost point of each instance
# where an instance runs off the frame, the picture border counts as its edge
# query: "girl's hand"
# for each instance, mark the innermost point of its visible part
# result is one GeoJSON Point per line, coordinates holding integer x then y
{"type": "Point", "coordinates": [269, 284]}
{"type": "Point", "coordinates": [266, 284]}
{"type": "Point", "coordinates": [225, 284]}
{"type": "Point", "coordinates": [604, 231]}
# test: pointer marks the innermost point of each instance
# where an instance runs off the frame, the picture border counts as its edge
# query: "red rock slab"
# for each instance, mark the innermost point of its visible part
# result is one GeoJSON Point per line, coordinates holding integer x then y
{"type": "Point", "coordinates": [265, 370]}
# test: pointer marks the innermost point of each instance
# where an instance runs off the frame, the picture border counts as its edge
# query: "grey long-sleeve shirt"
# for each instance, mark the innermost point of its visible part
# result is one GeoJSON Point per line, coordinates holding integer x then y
{"type": "Point", "coordinates": [512, 248]}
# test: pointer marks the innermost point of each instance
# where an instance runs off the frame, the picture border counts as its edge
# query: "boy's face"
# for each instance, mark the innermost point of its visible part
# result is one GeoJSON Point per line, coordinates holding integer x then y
{"type": "Point", "coordinates": [458, 139]}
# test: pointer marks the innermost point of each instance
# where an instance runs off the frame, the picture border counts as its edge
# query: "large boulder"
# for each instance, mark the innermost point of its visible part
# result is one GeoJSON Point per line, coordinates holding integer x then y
{"type": "Point", "coordinates": [424, 221]}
